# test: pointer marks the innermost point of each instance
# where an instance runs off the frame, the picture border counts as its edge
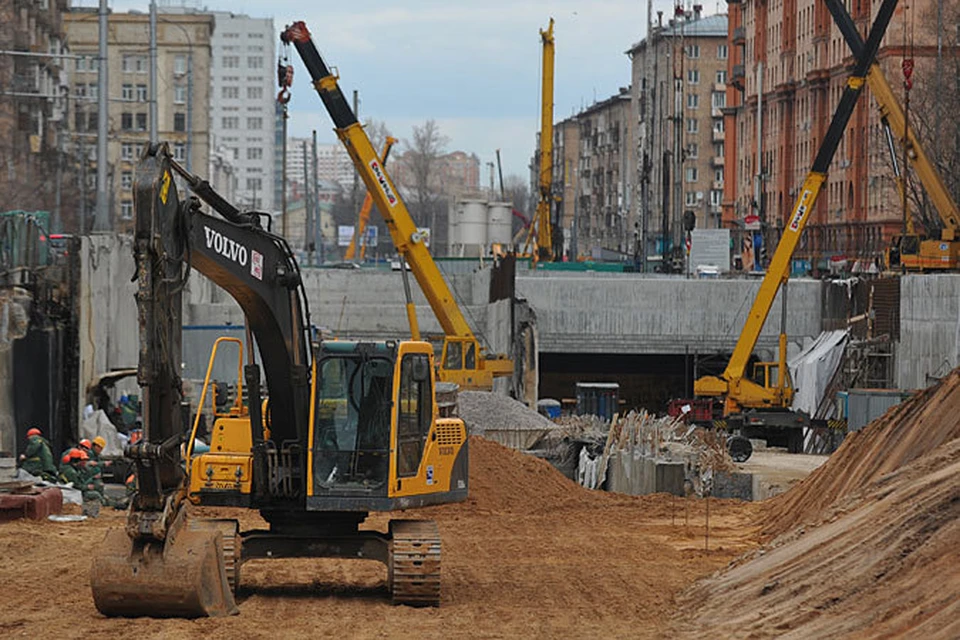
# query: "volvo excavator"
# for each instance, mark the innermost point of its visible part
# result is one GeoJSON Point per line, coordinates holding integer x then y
{"type": "Point", "coordinates": [463, 360]}
{"type": "Point", "coordinates": [759, 405]}
{"type": "Point", "coordinates": [346, 427]}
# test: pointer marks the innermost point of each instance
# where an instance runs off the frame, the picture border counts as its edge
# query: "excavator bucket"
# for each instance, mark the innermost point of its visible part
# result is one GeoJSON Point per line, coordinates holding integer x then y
{"type": "Point", "coordinates": [183, 577]}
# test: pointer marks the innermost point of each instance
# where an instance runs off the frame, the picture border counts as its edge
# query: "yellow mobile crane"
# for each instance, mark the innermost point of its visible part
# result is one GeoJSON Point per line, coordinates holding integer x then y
{"type": "Point", "coordinates": [539, 243]}
{"type": "Point", "coordinates": [760, 406]}
{"type": "Point", "coordinates": [911, 251]}
{"type": "Point", "coordinates": [462, 360]}
{"type": "Point", "coordinates": [364, 218]}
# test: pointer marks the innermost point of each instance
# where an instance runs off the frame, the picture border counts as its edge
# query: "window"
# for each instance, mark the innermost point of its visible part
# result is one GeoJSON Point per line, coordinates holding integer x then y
{"type": "Point", "coordinates": [254, 184]}
{"type": "Point", "coordinates": [721, 52]}
{"type": "Point", "coordinates": [141, 122]}
{"type": "Point", "coordinates": [716, 197]}
{"type": "Point", "coordinates": [134, 63]}
{"type": "Point", "coordinates": [141, 93]}
{"type": "Point", "coordinates": [254, 36]}
{"type": "Point", "coordinates": [81, 64]}
{"type": "Point", "coordinates": [693, 76]}
{"type": "Point", "coordinates": [93, 90]}
{"type": "Point", "coordinates": [692, 50]}
{"type": "Point", "coordinates": [231, 35]}
{"type": "Point", "coordinates": [254, 93]}
{"type": "Point", "coordinates": [236, 153]}
{"type": "Point", "coordinates": [255, 62]}
{"type": "Point", "coordinates": [691, 174]}
{"type": "Point", "coordinates": [718, 149]}
{"type": "Point", "coordinates": [126, 209]}
{"type": "Point", "coordinates": [414, 409]}
{"type": "Point", "coordinates": [721, 77]}
{"type": "Point", "coordinates": [179, 94]}
{"type": "Point", "coordinates": [231, 62]}
{"type": "Point", "coordinates": [126, 64]}
{"type": "Point", "coordinates": [126, 151]}
{"type": "Point", "coordinates": [138, 149]}
{"type": "Point", "coordinates": [255, 123]}
{"type": "Point", "coordinates": [718, 99]}
{"type": "Point", "coordinates": [92, 121]}
{"type": "Point", "coordinates": [693, 125]}
{"type": "Point", "coordinates": [255, 153]}
{"type": "Point", "coordinates": [179, 151]}
{"type": "Point", "coordinates": [179, 65]}
{"type": "Point", "coordinates": [230, 93]}
{"type": "Point", "coordinates": [80, 90]}
{"type": "Point", "coordinates": [693, 150]}
{"type": "Point", "coordinates": [718, 175]}
{"type": "Point", "coordinates": [690, 199]}
{"type": "Point", "coordinates": [179, 122]}
{"type": "Point", "coordinates": [126, 92]}
{"type": "Point", "coordinates": [126, 121]}
{"type": "Point", "coordinates": [693, 101]}
{"type": "Point", "coordinates": [126, 180]}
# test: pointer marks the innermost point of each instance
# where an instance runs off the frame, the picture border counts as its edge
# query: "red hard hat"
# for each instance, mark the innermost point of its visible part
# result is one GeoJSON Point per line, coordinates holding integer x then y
{"type": "Point", "coordinates": [76, 454]}
{"type": "Point", "coordinates": [85, 443]}
{"type": "Point", "coordinates": [33, 432]}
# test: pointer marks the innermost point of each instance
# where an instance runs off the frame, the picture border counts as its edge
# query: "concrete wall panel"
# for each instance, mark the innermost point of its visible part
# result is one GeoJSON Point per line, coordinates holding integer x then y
{"type": "Point", "coordinates": [929, 325]}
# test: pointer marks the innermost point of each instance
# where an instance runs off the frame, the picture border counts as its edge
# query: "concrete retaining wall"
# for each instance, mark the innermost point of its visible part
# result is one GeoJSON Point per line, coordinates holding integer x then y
{"type": "Point", "coordinates": [929, 327]}
{"type": "Point", "coordinates": [639, 475]}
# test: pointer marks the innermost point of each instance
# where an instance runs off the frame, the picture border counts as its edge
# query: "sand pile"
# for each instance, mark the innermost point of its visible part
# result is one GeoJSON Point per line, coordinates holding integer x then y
{"type": "Point", "coordinates": [905, 433]}
{"type": "Point", "coordinates": [484, 411]}
{"type": "Point", "coordinates": [879, 548]}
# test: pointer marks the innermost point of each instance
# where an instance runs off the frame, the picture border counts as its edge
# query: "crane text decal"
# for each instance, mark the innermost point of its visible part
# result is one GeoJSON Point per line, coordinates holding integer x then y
{"type": "Point", "coordinates": [801, 211]}
{"type": "Point", "coordinates": [225, 246]}
{"type": "Point", "coordinates": [382, 181]}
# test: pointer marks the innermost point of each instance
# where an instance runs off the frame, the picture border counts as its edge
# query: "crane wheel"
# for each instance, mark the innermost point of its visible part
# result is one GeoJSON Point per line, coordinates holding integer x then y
{"type": "Point", "coordinates": [739, 448]}
{"type": "Point", "coordinates": [413, 568]}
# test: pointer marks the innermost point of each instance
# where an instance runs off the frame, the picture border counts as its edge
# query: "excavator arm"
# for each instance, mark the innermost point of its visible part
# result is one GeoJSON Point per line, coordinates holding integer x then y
{"type": "Point", "coordinates": [733, 384]}
{"type": "Point", "coordinates": [463, 360]}
{"type": "Point", "coordinates": [161, 565]}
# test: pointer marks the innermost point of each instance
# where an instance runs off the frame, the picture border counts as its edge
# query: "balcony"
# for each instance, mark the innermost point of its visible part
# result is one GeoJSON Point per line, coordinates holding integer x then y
{"type": "Point", "coordinates": [717, 161]}
{"type": "Point", "coordinates": [739, 36]}
{"type": "Point", "coordinates": [718, 136]}
{"type": "Point", "coordinates": [717, 185]}
{"type": "Point", "coordinates": [739, 72]}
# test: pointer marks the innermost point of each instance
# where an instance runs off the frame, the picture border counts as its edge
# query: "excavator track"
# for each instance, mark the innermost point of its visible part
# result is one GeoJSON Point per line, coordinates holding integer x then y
{"type": "Point", "coordinates": [414, 566]}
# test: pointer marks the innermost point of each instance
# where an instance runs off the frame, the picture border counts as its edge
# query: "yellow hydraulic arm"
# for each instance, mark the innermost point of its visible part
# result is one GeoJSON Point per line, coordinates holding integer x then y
{"type": "Point", "coordinates": [539, 243]}
{"type": "Point", "coordinates": [351, 252]}
{"type": "Point", "coordinates": [738, 390]}
{"type": "Point", "coordinates": [462, 360]}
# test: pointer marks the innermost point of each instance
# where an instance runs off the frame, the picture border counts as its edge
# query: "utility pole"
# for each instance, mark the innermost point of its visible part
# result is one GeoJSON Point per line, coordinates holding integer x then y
{"type": "Point", "coordinates": [758, 188]}
{"type": "Point", "coordinates": [307, 218]}
{"type": "Point", "coordinates": [190, 109]}
{"type": "Point", "coordinates": [317, 222]}
{"type": "Point", "coordinates": [101, 221]}
{"type": "Point", "coordinates": [154, 125]}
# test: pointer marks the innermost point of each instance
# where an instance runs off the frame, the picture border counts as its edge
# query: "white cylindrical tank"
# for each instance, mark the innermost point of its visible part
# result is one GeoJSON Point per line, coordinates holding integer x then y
{"type": "Point", "coordinates": [500, 223]}
{"type": "Point", "coordinates": [471, 225]}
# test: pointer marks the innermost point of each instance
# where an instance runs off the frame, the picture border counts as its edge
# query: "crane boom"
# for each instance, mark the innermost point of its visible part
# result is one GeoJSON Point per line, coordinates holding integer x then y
{"type": "Point", "coordinates": [539, 242]}
{"type": "Point", "coordinates": [738, 390]}
{"type": "Point", "coordinates": [463, 360]}
{"type": "Point", "coordinates": [364, 217]}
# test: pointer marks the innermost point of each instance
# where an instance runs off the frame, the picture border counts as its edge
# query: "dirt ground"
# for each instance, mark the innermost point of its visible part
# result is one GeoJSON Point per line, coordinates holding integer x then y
{"type": "Point", "coordinates": [530, 554]}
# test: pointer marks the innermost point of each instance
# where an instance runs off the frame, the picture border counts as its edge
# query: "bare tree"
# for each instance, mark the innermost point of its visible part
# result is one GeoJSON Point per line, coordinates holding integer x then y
{"type": "Point", "coordinates": [425, 148]}
{"type": "Point", "coordinates": [378, 132]}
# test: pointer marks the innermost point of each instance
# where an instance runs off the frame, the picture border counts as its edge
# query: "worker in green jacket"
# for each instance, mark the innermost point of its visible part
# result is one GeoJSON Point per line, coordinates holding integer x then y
{"type": "Point", "coordinates": [73, 471]}
{"type": "Point", "coordinates": [37, 459]}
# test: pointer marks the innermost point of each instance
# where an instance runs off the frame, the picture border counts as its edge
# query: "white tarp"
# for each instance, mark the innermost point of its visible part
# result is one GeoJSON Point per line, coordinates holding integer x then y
{"type": "Point", "coordinates": [70, 495]}
{"type": "Point", "coordinates": [812, 369]}
{"type": "Point", "coordinates": [98, 424]}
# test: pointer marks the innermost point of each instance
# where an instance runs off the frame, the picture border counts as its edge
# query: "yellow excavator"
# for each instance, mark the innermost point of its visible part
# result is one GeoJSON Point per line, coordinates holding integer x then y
{"type": "Point", "coordinates": [759, 406]}
{"type": "Point", "coordinates": [463, 360]}
{"type": "Point", "coordinates": [364, 217]}
{"type": "Point", "coordinates": [346, 427]}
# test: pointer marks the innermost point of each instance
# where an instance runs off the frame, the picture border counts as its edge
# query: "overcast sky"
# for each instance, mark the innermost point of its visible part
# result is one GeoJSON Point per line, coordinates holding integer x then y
{"type": "Point", "coordinates": [474, 67]}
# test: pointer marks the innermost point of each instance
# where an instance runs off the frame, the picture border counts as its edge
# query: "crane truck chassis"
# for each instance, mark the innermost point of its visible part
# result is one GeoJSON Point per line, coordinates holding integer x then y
{"type": "Point", "coordinates": [347, 427]}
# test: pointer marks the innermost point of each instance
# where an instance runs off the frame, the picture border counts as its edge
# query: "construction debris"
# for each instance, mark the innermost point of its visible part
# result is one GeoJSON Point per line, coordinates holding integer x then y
{"type": "Point", "coordinates": [502, 419]}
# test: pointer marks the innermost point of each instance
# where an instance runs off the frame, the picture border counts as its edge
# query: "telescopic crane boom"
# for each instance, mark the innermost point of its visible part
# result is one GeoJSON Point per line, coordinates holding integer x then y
{"type": "Point", "coordinates": [364, 217]}
{"type": "Point", "coordinates": [463, 360]}
{"type": "Point", "coordinates": [539, 244]}
{"type": "Point", "coordinates": [768, 403]}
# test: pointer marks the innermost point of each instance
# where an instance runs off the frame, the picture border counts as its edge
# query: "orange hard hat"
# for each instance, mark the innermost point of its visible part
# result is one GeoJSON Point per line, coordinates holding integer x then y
{"type": "Point", "coordinates": [84, 456]}
{"type": "Point", "coordinates": [75, 454]}
{"type": "Point", "coordinates": [66, 458]}
{"type": "Point", "coordinates": [85, 443]}
{"type": "Point", "coordinates": [33, 432]}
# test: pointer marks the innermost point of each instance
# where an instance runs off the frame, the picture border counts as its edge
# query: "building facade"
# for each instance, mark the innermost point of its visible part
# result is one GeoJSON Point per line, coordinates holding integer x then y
{"type": "Point", "coordinates": [790, 58]}
{"type": "Point", "coordinates": [243, 104]}
{"type": "Point", "coordinates": [34, 144]}
{"type": "Point", "coordinates": [183, 93]}
{"type": "Point", "coordinates": [679, 90]}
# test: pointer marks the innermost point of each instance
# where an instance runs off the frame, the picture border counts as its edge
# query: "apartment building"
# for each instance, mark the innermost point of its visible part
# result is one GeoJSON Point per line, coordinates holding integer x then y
{"type": "Point", "coordinates": [791, 59]}
{"type": "Point", "coordinates": [183, 92]}
{"type": "Point", "coordinates": [243, 104]}
{"type": "Point", "coordinates": [33, 104]}
{"type": "Point", "coordinates": [333, 163]}
{"type": "Point", "coordinates": [679, 90]}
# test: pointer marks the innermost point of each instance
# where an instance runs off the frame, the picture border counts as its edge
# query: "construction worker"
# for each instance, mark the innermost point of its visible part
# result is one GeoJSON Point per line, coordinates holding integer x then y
{"type": "Point", "coordinates": [96, 451]}
{"type": "Point", "coordinates": [37, 459]}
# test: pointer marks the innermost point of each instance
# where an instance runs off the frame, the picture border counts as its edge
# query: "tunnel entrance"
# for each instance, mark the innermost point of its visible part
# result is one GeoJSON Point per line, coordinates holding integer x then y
{"type": "Point", "coordinates": [647, 381]}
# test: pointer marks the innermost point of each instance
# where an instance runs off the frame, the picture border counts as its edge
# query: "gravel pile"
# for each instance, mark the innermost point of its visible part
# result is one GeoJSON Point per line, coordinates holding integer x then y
{"type": "Point", "coordinates": [483, 411]}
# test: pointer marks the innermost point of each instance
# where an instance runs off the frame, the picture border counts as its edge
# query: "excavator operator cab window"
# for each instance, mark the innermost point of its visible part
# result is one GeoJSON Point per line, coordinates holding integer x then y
{"type": "Point", "coordinates": [351, 445]}
{"type": "Point", "coordinates": [415, 412]}
{"type": "Point", "coordinates": [453, 356]}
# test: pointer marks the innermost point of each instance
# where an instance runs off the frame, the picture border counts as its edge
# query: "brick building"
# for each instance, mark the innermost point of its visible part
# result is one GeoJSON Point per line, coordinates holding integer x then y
{"type": "Point", "coordinates": [679, 76]}
{"type": "Point", "coordinates": [791, 53]}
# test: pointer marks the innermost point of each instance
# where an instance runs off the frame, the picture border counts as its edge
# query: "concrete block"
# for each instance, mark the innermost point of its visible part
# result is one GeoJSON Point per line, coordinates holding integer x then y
{"type": "Point", "coordinates": [733, 485]}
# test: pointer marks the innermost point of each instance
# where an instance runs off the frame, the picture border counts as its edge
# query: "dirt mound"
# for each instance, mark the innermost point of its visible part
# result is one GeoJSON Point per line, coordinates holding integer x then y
{"type": "Point", "coordinates": [484, 411]}
{"type": "Point", "coordinates": [902, 435]}
{"type": "Point", "coordinates": [882, 565]}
